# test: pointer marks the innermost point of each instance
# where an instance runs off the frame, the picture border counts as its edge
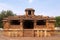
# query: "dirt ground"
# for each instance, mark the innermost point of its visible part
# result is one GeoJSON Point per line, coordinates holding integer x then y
{"type": "Point", "coordinates": [56, 37]}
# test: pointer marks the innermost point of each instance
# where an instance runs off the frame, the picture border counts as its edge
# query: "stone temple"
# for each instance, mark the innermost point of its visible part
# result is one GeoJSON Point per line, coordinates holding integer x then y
{"type": "Point", "coordinates": [28, 25]}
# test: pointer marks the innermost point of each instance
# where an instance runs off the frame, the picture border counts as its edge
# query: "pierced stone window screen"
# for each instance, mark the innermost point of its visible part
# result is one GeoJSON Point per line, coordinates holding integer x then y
{"type": "Point", "coordinates": [41, 22]}
{"type": "Point", "coordinates": [15, 22]}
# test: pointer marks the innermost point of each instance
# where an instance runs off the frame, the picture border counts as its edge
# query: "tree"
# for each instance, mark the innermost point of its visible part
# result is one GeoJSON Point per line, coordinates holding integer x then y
{"type": "Point", "coordinates": [9, 13]}
{"type": "Point", "coordinates": [57, 24]}
{"type": "Point", "coordinates": [4, 14]}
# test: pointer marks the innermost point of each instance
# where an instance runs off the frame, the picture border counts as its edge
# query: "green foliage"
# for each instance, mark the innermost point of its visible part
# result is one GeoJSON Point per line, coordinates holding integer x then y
{"type": "Point", "coordinates": [57, 24]}
{"type": "Point", "coordinates": [4, 14]}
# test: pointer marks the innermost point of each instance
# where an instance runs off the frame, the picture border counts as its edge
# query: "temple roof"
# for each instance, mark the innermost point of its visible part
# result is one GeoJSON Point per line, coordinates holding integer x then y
{"type": "Point", "coordinates": [29, 9]}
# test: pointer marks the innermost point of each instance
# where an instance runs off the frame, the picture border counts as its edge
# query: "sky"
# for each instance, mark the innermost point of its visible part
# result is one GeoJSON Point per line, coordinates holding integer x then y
{"type": "Point", "coordinates": [42, 7]}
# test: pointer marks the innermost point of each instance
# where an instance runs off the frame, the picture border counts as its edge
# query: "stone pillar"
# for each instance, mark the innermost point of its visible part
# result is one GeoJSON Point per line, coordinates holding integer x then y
{"type": "Point", "coordinates": [9, 33]}
{"type": "Point", "coordinates": [26, 13]}
{"type": "Point", "coordinates": [41, 33]}
{"type": "Point", "coordinates": [47, 25]}
{"type": "Point", "coordinates": [34, 24]}
{"type": "Point", "coordinates": [21, 24]}
{"type": "Point", "coordinates": [20, 32]}
{"type": "Point", "coordinates": [37, 33]}
{"type": "Point", "coordinates": [45, 33]}
{"type": "Point", "coordinates": [32, 13]}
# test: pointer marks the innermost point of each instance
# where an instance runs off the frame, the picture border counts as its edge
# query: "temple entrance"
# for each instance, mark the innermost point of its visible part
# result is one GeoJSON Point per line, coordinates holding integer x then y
{"type": "Point", "coordinates": [28, 24]}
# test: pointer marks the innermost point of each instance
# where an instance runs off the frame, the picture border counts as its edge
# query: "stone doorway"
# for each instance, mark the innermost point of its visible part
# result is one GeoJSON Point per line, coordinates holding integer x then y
{"type": "Point", "coordinates": [28, 26]}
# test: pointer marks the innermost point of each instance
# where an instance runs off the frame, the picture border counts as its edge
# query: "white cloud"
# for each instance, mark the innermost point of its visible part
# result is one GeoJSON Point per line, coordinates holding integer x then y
{"type": "Point", "coordinates": [30, 1]}
{"type": "Point", "coordinates": [4, 6]}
